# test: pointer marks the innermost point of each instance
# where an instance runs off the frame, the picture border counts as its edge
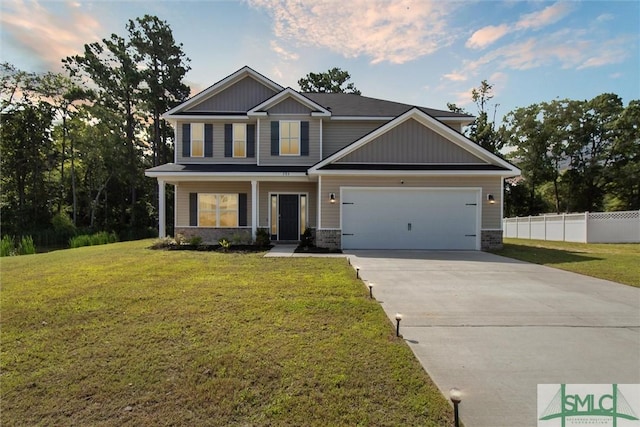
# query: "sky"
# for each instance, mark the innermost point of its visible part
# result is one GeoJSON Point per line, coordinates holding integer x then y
{"type": "Point", "coordinates": [419, 52]}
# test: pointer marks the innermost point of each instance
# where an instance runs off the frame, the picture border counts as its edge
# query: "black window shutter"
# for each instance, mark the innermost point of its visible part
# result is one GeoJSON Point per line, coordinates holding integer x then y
{"type": "Point", "coordinates": [208, 140]}
{"type": "Point", "coordinates": [228, 140]}
{"type": "Point", "coordinates": [275, 138]}
{"type": "Point", "coordinates": [186, 140]}
{"type": "Point", "coordinates": [193, 209]}
{"type": "Point", "coordinates": [242, 210]}
{"type": "Point", "coordinates": [304, 138]}
{"type": "Point", "coordinates": [251, 140]}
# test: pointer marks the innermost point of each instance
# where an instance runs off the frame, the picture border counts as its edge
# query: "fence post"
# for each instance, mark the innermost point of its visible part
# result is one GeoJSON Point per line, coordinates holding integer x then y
{"type": "Point", "coordinates": [586, 227]}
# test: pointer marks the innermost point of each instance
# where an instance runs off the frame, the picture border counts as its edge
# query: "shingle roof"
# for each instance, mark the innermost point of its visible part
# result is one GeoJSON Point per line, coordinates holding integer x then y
{"type": "Point", "coordinates": [347, 104]}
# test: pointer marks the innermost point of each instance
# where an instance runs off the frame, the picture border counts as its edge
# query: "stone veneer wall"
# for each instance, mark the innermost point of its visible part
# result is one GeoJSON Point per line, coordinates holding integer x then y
{"type": "Point", "coordinates": [330, 239]}
{"type": "Point", "coordinates": [490, 239]}
{"type": "Point", "coordinates": [212, 235]}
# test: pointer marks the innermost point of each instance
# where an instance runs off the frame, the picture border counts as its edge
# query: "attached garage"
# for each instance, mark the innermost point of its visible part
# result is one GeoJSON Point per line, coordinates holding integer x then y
{"type": "Point", "coordinates": [411, 218]}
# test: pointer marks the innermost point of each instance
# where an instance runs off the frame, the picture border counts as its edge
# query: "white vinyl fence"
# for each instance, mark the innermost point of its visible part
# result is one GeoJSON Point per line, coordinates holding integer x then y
{"type": "Point", "coordinates": [588, 227]}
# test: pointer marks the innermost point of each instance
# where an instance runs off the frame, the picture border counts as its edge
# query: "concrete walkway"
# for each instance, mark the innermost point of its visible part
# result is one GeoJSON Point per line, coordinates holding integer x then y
{"type": "Point", "coordinates": [496, 327]}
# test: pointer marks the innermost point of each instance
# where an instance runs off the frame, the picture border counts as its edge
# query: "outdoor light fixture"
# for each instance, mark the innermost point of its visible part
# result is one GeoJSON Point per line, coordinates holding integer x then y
{"type": "Point", "coordinates": [456, 397]}
{"type": "Point", "coordinates": [332, 197]}
{"type": "Point", "coordinates": [357, 272]}
{"type": "Point", "coordinates": [370, 290]}
{"type": "Point", "coordinates": [398, 319]}
{"type": "Point", "coordinates": [491, 199]}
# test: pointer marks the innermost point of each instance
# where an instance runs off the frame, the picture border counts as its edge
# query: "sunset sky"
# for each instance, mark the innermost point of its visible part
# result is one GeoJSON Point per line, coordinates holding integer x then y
{"type": "Point", "coordinates": [421, 52]}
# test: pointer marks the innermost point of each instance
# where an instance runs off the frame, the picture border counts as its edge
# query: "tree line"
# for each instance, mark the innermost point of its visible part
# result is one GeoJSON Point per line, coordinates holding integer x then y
{"type": "Point", "coordinates": [575, 155]}
{"type": "Point", "coordinates": [75, 145]}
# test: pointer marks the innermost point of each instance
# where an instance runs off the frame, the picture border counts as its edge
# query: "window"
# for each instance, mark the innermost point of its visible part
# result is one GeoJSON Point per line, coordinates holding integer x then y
{"type": "Point", "coordinates": [303, 213]}
{"type": "Point", "coordinates": [197, 139]}
{"type": "Point", "coordinates": [274, 215]}
{"type": "Point", "coordinates": [217, 210]}
{"type": "Point", "coordinates": [289, 138]}
{"type": "Point", "coordinates": [239, 140]}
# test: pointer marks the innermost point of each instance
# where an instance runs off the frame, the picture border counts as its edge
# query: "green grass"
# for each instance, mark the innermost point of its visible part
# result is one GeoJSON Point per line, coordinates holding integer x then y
{"type": "Point", "coordinates": [617, 262]}
{"type": "Point", "coordinates": [123, 335]}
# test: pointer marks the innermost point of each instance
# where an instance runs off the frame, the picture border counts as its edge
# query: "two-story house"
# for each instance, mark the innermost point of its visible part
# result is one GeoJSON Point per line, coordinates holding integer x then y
{"type": "Point", "coordinates": [363, 173]}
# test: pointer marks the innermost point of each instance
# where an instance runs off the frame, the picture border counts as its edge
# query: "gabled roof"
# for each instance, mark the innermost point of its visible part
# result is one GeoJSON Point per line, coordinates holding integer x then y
{"type": "Point", "coordinates": [222, 85]}
{"type": "Point", "coordinates": [350, 105]}
{"type": "Point", "coordinates": [494, 164]}
{"type": "Point", "coordinates": [317, 109]}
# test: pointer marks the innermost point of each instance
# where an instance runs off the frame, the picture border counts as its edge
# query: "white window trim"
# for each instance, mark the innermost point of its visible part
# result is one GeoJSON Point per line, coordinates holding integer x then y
{"type": "Point", "coordinates": [191, 142]}
{"type": "Point", "coordinates": [233, 140]}
{"type": "Point", "coordinates": [218, 209]}
{"type": "Point", "coordinates": [299, 139]}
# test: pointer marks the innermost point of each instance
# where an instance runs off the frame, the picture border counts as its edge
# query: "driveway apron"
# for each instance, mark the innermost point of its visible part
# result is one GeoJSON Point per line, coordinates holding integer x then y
{"type": "Point", "coordinates": [496, 327]}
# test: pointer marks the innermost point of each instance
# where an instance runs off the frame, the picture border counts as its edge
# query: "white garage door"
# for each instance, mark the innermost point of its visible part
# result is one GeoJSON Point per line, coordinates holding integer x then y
{"type": "Point", "coordinates": [410, 219]}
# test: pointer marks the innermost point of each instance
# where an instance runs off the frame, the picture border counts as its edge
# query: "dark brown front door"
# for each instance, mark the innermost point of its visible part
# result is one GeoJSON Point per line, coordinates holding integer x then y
{"type": "Point", "coordinates": [288, 221]}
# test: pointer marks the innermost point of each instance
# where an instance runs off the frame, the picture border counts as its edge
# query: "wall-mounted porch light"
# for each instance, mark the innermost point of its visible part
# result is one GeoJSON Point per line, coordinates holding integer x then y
{"type": "Point", "coordinates": [490, 199]}
{"type": "Point", "coordinates": [332, 197]}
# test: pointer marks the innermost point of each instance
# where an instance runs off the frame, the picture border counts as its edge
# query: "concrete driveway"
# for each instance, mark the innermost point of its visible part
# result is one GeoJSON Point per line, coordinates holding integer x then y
{"type": "Point", "coordinates": [495, 327]}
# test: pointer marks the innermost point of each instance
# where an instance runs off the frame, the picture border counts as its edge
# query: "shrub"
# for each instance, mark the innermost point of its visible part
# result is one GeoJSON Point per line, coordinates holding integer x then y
{"type": "Point", "coordinates": [240, 239]}
{"type": "Point", "coordinates": [307, 238]}
{"type": "Point", "coordinates": [195, 240]}
{"type": "Point", "coordinates": [163, 243]}
{"type": "Point", "coordinates": [224, 244]}
{"type": "Point", "coordinates": [180, 239]}
{"type": "Point", "coordinates": [63, 225]}
{"type": "Point", "coordinates": [263, 239]}
{"type": "Point", "coordinates": [26, 246]}
{"type": "Point", "coordinates": [100, 238]}
{"type": "Point", "coordinates": [6, 246]}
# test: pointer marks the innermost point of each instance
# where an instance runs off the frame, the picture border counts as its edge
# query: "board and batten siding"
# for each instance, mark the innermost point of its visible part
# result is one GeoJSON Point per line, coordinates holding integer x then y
{"type": "Point", "coordinates": [218, 144]}
{"type": "Point", "coordinates": [240, 97]}
{"type": "Point", "coordinates": [265, 142]}
{"type": "Point", "coordinates": [410, 142]}
{"type": "Point", "coordinates": [264, 205]}
{"type": "Point", "coordinates": [230, 187]}
{"type": "Point", "coordinates": [491, 215]}
{"type": "Point", "coordinates": [340, 133]}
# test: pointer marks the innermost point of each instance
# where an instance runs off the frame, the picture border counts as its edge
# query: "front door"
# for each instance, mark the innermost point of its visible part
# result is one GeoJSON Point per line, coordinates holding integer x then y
{"type": "Point", "coordinates": [288, 227]}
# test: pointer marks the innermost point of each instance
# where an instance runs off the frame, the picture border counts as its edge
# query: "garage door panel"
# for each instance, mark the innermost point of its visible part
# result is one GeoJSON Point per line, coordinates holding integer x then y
{"type": "Point", "coordinates": [409, 219]}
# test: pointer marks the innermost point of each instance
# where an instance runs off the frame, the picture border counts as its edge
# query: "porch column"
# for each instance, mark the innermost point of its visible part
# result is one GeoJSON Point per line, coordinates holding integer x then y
{"type": "Point", "coordinates": [254, 208]}
{"type": "Point", "coordinates": [161, 209]}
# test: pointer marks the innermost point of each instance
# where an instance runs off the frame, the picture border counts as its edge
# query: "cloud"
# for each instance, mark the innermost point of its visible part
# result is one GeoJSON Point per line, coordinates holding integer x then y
{"type": "Point", "coordinates": [547, 16]}
{"type": "Point", "coordinates": [569, 49]}
{"type": "Point", "coordinates": [532, 21]}
{"type": "Point", "coordinates": [395, 32]}
{"type": "Point", "coordinates": [49, 36]}
{"type": "Point", "coordinates": [486, 36]}
{"type": "Point", "coordinates": [456, 77]}
{"type": "Point", "coordinates": [289, 56]}
{"type": "Point", "coordinates": [605, 17]}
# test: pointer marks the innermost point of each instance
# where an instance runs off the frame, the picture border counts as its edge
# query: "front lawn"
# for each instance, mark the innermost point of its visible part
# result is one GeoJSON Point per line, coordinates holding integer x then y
{"type": "Point", "coordinates": [616, 262]}
{"type": "Point", "coordinates": [124, 335]}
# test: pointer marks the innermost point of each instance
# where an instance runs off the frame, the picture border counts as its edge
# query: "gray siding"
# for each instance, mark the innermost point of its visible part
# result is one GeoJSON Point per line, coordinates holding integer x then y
{"type": "Point", "coordinates": [265, 142]}
{"type": "Point", "coordinates": [489, 185]}
{"type": "Point", "coordinates": [338, 134]}
{"type": "Point", "coordinates": [242, 96]}
{"type": "Point", "coordinates": [218, 146]}
{"type": "Point", "coordinates": [289, 106]}
{"type": "Point", "coordinates": [411, 142]}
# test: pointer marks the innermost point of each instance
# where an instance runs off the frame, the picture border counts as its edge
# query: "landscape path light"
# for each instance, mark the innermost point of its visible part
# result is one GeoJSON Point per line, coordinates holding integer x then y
{"type": "Point", "coordinates": [370, 290]}
{"type": "Point", "coordinates": [456, 397]}
{"type": "Point", "coordinates": [398, 319]}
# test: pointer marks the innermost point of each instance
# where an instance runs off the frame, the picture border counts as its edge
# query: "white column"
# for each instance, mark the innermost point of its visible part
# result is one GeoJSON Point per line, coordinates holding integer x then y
{"type": "Point", "coordinates": [254, 208]}
{"type": "Point", "coordinates": [161, 210]}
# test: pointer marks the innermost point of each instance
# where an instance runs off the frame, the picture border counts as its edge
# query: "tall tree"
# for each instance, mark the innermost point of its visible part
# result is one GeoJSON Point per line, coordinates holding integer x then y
{"type": "Point", "coordinates": [525, 132]}
{"type": "Point", "coordinates": [483, 129]}
{"type": "Point", "coordinates": [111, 65]}
{"type": "Point", "coordinates": [165, 66]}
{"type": "Point", "coordinates": [331, 81]}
